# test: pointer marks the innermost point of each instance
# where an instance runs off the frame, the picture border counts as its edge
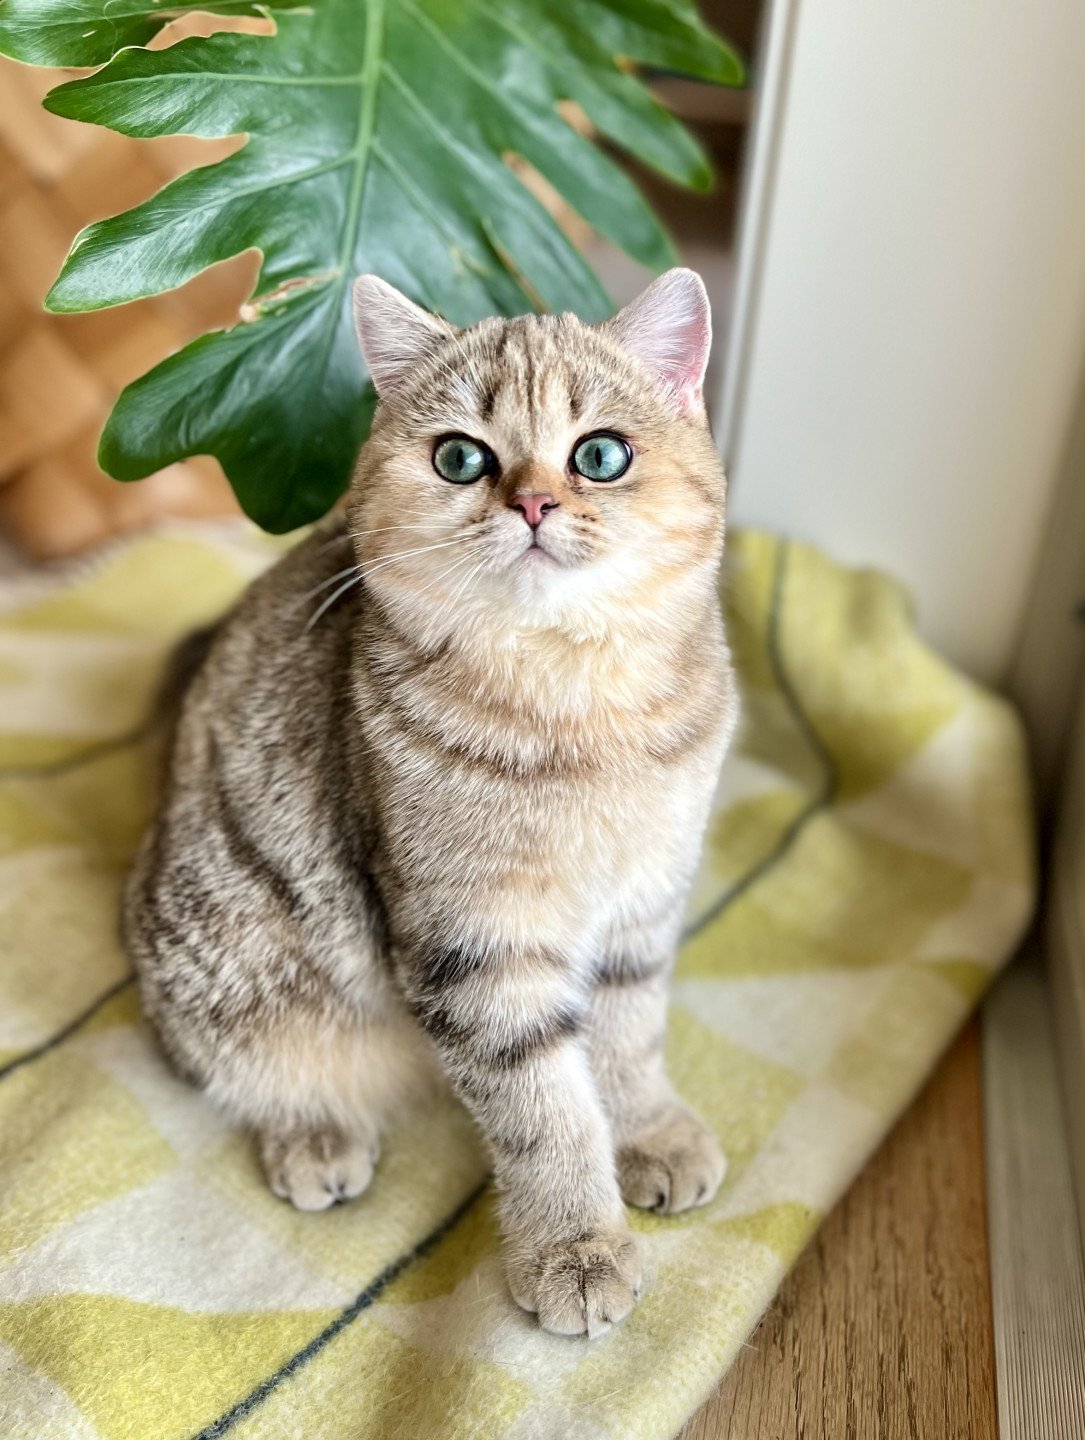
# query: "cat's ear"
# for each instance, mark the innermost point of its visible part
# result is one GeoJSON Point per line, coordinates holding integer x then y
{"type": "Point", "coordinates": [668, 328]}
{"type": "Point", "coordinates": [394, 332]}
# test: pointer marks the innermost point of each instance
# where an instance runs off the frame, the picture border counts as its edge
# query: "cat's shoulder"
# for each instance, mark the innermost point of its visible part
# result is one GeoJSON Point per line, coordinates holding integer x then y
{"type": "Point", "coordinates": [278, 635]}
{"type": "Point", "coordinates": [305, 592]}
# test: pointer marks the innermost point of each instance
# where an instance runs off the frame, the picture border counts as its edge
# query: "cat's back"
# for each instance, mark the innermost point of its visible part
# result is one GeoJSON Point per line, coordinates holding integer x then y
{"type": "Point", "coordinates": [257, 843]}
{"type": "Point", "coordinates": [257, 762]}
{"type": "Point", "coordinates": [279, 648]}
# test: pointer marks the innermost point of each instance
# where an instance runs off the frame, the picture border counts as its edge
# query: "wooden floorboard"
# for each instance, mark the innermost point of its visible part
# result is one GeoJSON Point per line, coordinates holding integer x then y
{"type": "Point", "coordinates": [883, 1330]}
{"type": "Point", "coordinates": [1037, 1270]}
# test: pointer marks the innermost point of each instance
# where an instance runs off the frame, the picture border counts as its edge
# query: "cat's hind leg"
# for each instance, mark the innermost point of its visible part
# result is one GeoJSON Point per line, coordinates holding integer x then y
{"type": "Point", "coordinates": [272, 1002]}
{"type": "Point", "coordinates": [319, 1092]}
{"type": "Point", "coordinates": [317, 1166]}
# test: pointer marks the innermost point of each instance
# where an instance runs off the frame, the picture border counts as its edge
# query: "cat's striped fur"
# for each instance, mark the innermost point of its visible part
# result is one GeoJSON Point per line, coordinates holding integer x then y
{"type": "Point", "coordinates": [448, 828]}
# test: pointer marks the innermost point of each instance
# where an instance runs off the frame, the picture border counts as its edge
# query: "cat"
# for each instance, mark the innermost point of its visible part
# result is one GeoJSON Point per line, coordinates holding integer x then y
{"type": "Point", "coordinates": [438, 783]}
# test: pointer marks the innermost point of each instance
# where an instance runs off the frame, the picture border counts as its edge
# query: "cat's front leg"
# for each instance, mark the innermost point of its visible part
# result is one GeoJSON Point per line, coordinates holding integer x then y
{"type": "Point", "coordinates": [668, 1159]}
{"type": "Point", "coordinates": [509, 1032]}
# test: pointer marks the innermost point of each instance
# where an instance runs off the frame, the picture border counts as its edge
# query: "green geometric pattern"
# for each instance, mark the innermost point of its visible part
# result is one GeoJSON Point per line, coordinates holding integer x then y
{"type": "Point", "coordinates": [868, 869]}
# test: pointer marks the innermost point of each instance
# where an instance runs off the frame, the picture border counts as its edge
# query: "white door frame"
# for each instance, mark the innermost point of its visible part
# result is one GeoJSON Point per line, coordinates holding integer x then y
{"type": "Point", "coordinates": [909, 324]}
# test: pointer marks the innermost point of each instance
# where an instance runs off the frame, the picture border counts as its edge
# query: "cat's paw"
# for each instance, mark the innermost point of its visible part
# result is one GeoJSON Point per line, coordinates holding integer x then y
{"type": "Point", "coordinates": [674, 1166]}
{"type": "Point", "coordinates": [579, 1286]}
{"type": "Point", "coordinates": [315, 1168]}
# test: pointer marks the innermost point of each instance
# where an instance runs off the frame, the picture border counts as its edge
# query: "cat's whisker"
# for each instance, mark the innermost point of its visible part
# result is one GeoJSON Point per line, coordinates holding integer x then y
{"type": "Point", "coordinates": [359, 572]}
{"type": "Point", "coordinates": [418, 518]}
{"type": "Point", "coordinates": [456, 565]}
{"type": "Point", "coordinates": [381, 561]}
{"type": "Point", "coordinates": [349, 570]}
{"type": "Point", "coordinates": [330, 601]}
{"type": "Point", "coordinates": [462, 588]}
{"type": "Point", "coordinates": [460, 560]}
{"type": "Point", "coordinates": [335, 540]}
{"type": "Point", "coordinates": [378, 529]}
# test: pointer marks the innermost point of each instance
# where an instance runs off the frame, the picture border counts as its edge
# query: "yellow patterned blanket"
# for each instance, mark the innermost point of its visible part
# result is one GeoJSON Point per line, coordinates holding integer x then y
{"type": "Point", "coordinates": [868, 869]}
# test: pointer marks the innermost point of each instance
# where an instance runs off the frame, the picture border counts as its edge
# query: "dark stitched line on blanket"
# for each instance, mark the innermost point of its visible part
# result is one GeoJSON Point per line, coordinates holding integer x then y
{"type": "Point", "coordinates": [823, 798]}
{"type": "Point", "coordinates": [372, 1293]}
{"type": "Point", "coordinates": [80, 757]}
{"type": "Point", "coordinates": [825, 795]}
{"type": "Point", "coordinates": [357, 1306]}
{"type": "Point", "coordinates": [61, 1035]}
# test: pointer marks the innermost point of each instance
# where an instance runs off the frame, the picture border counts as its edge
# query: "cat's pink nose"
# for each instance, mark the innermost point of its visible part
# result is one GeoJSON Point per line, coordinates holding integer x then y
{"type": "Point", "coordinates": [533, 507]}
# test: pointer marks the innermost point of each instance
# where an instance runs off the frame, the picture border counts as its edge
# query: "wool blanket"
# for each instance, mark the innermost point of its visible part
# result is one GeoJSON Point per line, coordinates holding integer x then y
{"type": "Point", "coordinates": [868, 868]}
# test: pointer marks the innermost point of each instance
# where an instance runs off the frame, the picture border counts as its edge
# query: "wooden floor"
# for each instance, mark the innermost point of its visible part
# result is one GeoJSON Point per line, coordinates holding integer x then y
{"type": "Point", "coordinates": [883, 1331]}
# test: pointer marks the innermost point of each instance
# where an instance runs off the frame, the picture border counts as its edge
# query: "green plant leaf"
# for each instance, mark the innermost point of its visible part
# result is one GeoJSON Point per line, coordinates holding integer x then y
{"type": "Point", "coordinates": [90, 32]}
{"type": "Point", "coordinates": [378, 138]}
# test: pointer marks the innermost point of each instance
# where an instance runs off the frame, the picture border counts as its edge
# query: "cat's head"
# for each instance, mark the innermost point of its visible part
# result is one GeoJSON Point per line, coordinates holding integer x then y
{"type": "Point", "coordinates": [540, 470]}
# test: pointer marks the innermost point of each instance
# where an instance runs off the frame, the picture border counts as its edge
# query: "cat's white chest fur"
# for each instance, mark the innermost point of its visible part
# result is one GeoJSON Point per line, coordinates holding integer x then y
{"type": "Point", "coordinates": [560, 871]}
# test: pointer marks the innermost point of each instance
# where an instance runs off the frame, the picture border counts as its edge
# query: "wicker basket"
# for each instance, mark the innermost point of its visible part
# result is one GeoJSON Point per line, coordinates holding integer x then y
{"type": "Point", "coordinates": [59, 375]}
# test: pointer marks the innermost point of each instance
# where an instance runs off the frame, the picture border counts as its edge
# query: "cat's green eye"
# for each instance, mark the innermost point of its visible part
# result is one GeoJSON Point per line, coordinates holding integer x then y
{"type": "Point", "coordinates": [461, 459]}
{"type": "Point", "coordinates": [602, 457]}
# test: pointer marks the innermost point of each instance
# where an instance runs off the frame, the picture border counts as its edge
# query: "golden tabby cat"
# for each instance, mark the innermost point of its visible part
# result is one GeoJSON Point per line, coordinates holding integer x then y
{"type": "Point", "coordinates": [438, 784]}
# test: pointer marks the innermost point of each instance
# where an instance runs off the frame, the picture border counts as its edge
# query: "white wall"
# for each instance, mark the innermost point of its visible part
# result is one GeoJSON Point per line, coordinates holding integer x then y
{"type": "Point", "coordinates": [910, 321]}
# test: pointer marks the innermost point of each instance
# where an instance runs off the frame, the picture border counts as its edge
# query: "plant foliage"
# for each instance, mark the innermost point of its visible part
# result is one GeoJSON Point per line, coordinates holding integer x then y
{"type": "Point", "coordinates": [378, 136]}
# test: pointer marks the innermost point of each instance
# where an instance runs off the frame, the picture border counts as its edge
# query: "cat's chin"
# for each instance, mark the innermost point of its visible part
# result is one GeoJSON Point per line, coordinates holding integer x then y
{"type": "Point", "coordinates": [538, 571]}
{"type": "Point", "coordinates": [541, 582]}
{"type": "Point", "coordinates": [535, 556]}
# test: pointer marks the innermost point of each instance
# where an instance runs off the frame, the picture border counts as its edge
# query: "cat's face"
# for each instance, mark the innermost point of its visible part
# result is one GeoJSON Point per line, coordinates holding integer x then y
{"type": "Point", "coordinates": [538, 469]}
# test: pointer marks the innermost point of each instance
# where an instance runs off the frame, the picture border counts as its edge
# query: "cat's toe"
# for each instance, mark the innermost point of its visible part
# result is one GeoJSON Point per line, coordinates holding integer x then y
{"type": "Point", "coordinates": [675, 1166]}
{"type": "Point", "coordinates": [314, 1169]}
{"type": "Point", "coordinates": [581, 1286]}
